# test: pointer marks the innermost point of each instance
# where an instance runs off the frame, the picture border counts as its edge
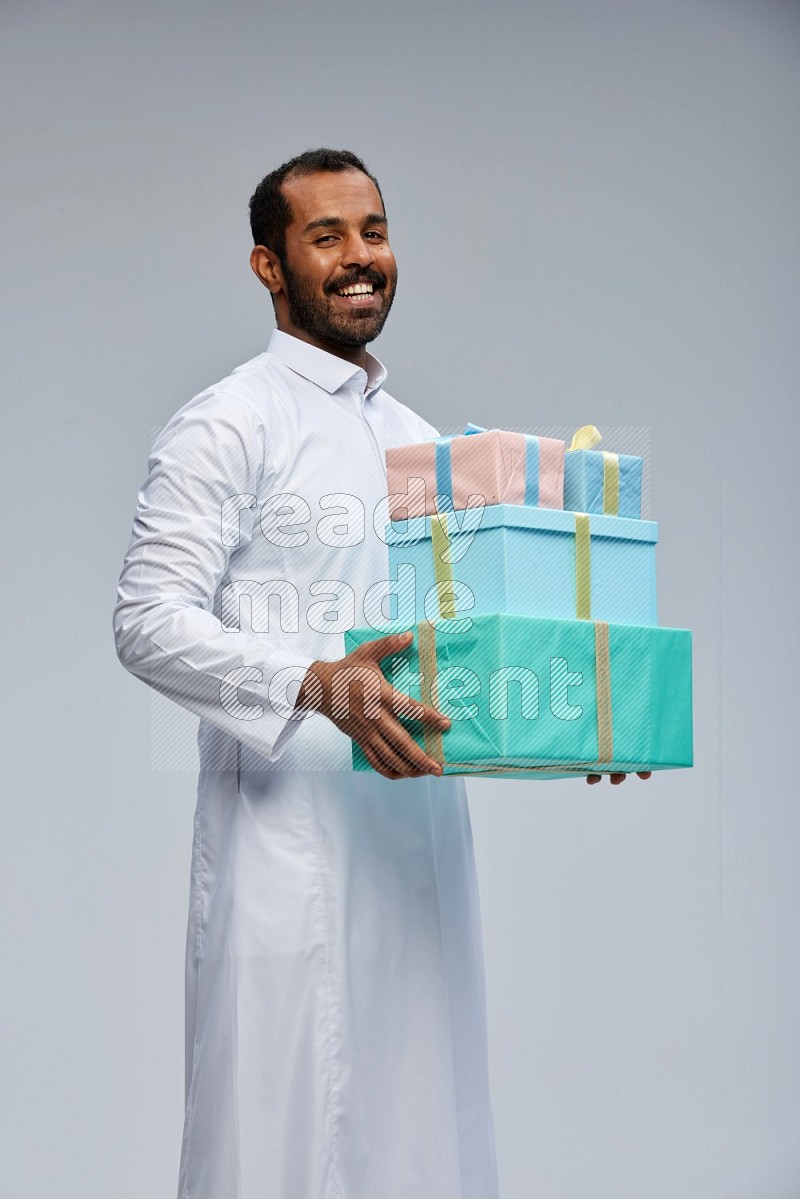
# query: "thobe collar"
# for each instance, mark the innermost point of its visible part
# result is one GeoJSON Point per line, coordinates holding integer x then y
{"type": "Point", "coordinates": [330, 373]}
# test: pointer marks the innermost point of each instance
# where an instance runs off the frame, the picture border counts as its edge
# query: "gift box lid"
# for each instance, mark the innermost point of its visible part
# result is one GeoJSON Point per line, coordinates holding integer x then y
{"type": "Point", "coordinates": [516, 516]}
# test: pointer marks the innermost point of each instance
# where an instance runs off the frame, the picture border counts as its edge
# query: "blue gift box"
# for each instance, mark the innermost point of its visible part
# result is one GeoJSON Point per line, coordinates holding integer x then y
{"type": "Point", "coordinates": [586, 483]}
{"type": "Point", "coordinates": [527, 561]}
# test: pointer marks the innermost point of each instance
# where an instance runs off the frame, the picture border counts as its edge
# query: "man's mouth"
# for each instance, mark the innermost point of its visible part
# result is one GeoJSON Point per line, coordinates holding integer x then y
{"type": "Point", "coordinates": [363, 294]}
{"type": "Point", "coordinates": [356, 289]}
{"type": "Point", "coordinates": [358, 295]}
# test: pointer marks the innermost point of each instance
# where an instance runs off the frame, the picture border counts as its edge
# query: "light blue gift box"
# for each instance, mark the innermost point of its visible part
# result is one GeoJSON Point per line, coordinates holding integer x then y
{"type": "Point", "coordinates": [526, 561]}
{"type": "Point", "coordinates": [584, 490]}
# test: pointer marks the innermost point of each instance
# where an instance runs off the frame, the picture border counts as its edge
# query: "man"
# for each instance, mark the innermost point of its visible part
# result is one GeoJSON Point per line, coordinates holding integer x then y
{"type": "Point", "coordinates": [335, 1013]}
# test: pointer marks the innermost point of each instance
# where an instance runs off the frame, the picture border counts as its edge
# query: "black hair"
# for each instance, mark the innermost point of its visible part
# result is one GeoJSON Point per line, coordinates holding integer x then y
{"type": "Point", "coordinates": [270, 214]}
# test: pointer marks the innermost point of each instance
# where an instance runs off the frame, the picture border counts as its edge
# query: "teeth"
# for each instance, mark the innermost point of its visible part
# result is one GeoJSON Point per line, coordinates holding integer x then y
{"type": "Point", "coordinates": [357, 289]}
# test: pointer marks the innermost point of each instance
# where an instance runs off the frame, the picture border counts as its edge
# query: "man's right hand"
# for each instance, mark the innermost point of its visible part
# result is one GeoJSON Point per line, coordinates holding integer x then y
{"type": "Point", "coordinates": [354, 693]}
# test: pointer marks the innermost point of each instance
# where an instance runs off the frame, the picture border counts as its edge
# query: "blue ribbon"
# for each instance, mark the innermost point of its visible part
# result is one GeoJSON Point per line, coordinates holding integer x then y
{"type": "Point", "coordinates": [444, 471]}
{"type": "Point", "coordinates": [531, 471]}
{"type": "Point", "coordinates": [444, 467]}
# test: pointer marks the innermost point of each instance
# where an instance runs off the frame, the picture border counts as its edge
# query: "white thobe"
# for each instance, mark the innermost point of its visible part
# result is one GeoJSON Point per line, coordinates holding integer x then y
{"type": "Point", "coordinates": [335, 1010]}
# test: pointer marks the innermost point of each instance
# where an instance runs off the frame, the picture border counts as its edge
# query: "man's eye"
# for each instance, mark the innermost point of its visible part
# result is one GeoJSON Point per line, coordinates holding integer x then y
{"type": "Point", "coordinates": [375, 233]}
{"type": "Point", "coordinates": [325, 237]}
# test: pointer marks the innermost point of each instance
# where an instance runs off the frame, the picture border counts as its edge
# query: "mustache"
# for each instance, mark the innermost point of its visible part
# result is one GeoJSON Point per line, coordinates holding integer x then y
{"type": "Point", "coordinates": [367, 275]}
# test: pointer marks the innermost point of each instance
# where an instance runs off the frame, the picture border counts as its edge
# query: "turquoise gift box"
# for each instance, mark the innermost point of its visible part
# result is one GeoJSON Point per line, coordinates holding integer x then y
{"type": "Point", "coordinates": [529, 561]}
{"type": "Point", "coordinates": [546, 698]}
{"type": "Point", "coordinates": [596, 481]}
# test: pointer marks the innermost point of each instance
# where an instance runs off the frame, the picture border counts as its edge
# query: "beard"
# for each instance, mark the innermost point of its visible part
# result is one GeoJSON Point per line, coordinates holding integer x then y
{"type": "Point", "coordinates": [318, 314]}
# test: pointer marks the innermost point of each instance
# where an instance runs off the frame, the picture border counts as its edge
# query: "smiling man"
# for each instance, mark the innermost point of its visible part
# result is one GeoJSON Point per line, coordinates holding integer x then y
{"type": "Point", "coordinates": [338, 293]}
{"type": "Point", "coordinates": [335, 1012]}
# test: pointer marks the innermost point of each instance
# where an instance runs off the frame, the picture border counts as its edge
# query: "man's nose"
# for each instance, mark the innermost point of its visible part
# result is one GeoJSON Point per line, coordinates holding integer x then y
{"type": "Point", "coordinates": [356, 251]}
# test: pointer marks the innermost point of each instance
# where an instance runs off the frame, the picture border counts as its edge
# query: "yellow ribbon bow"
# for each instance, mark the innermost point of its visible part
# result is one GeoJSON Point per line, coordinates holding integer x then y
{"type": "Point", "coordinates": [586, 438]}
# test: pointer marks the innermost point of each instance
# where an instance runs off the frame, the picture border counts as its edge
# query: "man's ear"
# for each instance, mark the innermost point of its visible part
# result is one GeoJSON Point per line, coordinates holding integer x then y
{"type": "Point", "coordinates": [267, 268]}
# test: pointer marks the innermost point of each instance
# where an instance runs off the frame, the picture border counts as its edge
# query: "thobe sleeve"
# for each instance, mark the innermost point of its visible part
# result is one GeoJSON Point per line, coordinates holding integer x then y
{"type": "Point", "coordinates": [166, 630]}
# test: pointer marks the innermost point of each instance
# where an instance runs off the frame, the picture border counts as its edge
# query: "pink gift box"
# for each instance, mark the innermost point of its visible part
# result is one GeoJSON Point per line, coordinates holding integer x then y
{"type": "Point", "coordinates": [494, 467]}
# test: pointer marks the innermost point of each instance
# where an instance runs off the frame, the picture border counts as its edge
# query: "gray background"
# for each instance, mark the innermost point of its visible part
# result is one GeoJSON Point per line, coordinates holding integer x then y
{"type": "Point", "coordinates": [595, 212]}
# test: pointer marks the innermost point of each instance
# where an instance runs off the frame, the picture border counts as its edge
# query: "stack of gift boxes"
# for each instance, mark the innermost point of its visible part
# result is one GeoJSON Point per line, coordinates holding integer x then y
{"type": "Point", "coordinates": [534, 587]}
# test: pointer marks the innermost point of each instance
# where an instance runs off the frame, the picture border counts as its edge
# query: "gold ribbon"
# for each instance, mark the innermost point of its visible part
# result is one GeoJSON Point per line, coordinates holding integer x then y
{"type": "Point", "coordinates": [602, 666]}
{"type": "Point", "coordinates": [432, 737]}
{"type": "Point", "coordinates": [586, 438]}
{"type": "Point", "coordinates": [610, 483]}
{"type": "Point", "coordinates": [427, 686]}
{"type": "Point", "coordinates": [442, 568]}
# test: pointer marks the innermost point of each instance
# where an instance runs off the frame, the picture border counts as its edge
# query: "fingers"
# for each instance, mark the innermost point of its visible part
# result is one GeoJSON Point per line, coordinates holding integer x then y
{"type": "Point", "coordinates": [384, 707]}
{"type": "Point", "coordinates": [412, 709]}
{"type": "Point", "coordinates": [381, 647]}
{"type": "Point", "coordinates": [401, 704]}
{"type": "Point", "coordinates": [616, 779]}
{"type": "Point", "coordinates": [393, 743]}
{"type": "Point", "coordinates": [403, 759]}
{"type": "Point", "coordinates": [379, 763]}
{"type": "Point", "coordinates": [399, 740]}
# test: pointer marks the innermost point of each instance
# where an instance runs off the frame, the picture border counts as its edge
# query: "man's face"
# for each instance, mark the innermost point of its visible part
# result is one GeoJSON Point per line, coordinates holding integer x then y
{"type": "Point", "coordinates": [337, 243]}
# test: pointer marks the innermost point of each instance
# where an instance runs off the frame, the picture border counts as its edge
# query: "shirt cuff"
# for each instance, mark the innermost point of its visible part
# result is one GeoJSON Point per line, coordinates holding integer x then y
{"type": "Point", "coordinates": [283, 717]}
